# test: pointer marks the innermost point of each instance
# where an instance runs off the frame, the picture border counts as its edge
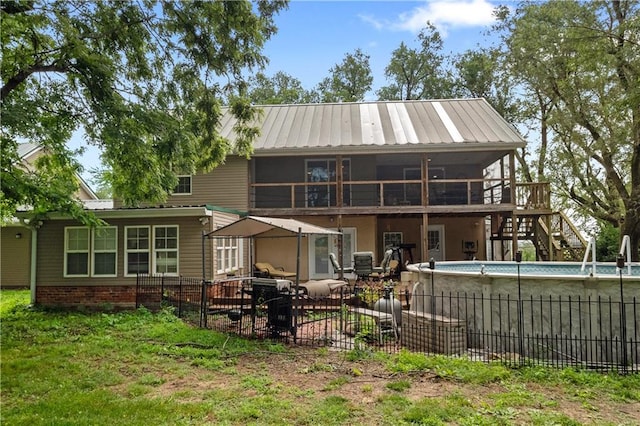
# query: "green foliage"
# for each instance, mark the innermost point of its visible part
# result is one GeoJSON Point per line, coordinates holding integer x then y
{"type": "Point", "coordinates": [146, 81]}
{"type": "Point", "coordinates": [399, 386]}
{"type": "Point", "coordinates": [281, 88]}
{"type": "Point", "coordinates": [460, 369]}
{"type": "Point", "coordinates": [439, 411]}
{"type": "Point", "coordinates": [418, 73]}
{"type": "Point", "coordinates": [349, 81]}
{"type": "Point", "coordinates": [607, 243]}
{"type": "Point", "coordinates": [332, 410]}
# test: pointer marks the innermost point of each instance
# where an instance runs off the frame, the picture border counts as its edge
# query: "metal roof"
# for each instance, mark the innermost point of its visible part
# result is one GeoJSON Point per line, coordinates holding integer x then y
{"type": "Point", "coordinates": [27, 148]}
{"type": "Point", "coordinates": [449, 124]}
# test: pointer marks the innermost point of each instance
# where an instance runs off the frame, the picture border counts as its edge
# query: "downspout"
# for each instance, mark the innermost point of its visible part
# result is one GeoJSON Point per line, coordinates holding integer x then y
{"type": "Point", "coordinates": [32, 274]}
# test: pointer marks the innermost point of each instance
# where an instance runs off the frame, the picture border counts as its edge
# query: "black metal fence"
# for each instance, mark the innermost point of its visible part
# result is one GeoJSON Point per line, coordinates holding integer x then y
{"type": "Point", "coordinates": [560, 331]}
{"type": "Point", "coordinates": [181, 293]}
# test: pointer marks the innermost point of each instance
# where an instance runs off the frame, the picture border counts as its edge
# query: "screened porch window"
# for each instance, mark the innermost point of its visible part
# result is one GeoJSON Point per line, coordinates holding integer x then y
{"type": "Point", "coordinates": [322, 176]}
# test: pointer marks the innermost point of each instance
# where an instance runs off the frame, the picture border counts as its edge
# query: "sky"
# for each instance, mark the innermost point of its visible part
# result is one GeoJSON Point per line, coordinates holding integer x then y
{"type": "Point", "coordinates": [313, 36]}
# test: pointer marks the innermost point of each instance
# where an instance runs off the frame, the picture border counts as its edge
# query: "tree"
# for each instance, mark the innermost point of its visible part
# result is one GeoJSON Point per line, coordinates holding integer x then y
{"type": "Point", "coordinates": [349, 81]}
{"type": "Point", "coordinates": [480, 74]}
{"type": "Point", "coordinates": [145, 81]}
{"type": "Point", "coordinates": [580, 61]}
{"type": "Point", "coordinates": [418, 73]}
{"type": "Point", "coordinates": [279, 89]}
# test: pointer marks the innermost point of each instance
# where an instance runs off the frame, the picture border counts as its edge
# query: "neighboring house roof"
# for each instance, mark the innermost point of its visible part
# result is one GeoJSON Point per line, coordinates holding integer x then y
{"type": "Point", "coordinates": [27, 149]}
{"type": "Point", "coordinates": [380, 126]}
{"type": "Point", "coordinates": [98, 204]}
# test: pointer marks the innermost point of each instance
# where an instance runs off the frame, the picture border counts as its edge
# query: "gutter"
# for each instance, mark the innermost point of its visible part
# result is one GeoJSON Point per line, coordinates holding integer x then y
{"type": "Point", "coordinates": [32, 274]}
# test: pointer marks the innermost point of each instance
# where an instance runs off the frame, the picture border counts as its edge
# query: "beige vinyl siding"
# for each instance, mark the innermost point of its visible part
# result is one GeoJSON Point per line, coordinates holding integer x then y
{"type": "Point", "coordinates": [16, 255]}
{"type": "Point", "coordinates": [225, 186]}
{"type": "Point", "coordinates": [50, 266]}
{"type": "Point", "coordinates": [83, 194]}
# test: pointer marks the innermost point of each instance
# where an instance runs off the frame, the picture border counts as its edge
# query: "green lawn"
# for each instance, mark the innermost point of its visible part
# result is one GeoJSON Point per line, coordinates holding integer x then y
{"type": "Point", "coordinates": [143, 368]}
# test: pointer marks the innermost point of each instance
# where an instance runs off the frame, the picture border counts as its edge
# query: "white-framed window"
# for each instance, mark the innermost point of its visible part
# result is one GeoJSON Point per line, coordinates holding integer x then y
{"type": "Point", "coordinates": [227, 254]}
{"type": "Point", "coordinates": [184, 185]}
{"type": "Point", "coordinates": [90, 252]}
{"type": "Point", "coordinates": [76, 251]}
{"type": "Point", "coordinates": [104, 252]}
{"type": "Point", "coordinates": [165, 249]}
{"type": "Point", "coordinates": [137, 250]}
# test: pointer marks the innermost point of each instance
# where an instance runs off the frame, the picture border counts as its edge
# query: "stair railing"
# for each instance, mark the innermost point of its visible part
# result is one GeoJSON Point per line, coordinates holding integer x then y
{"type": "Point", "coordinates": [591, 245]}
{"type": "Point", "coordinates": [626, 246]}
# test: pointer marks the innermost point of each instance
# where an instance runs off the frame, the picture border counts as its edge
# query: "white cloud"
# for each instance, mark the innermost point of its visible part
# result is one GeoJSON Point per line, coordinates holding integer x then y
{"type": "Point", "coordinates": [443, 14]}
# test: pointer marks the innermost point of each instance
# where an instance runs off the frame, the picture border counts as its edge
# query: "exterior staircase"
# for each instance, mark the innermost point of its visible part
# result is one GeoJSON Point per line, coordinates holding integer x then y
{"type": "Point", "coordinates": [554, 236]}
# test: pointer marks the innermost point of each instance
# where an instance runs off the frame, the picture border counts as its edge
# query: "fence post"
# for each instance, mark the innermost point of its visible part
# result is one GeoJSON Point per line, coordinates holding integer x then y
{"type": "Point", "coordinates": [520, 314]}
{"type": "Point", "coordinates": [161, 289]}
{"type": "Point", "coordinates": [180, 296]}
{"type": "Point", "coordinates": [203, 305]}
{"type": "Point", "coordinates": [623, 316]}
{"type": "Point", "coordinates": [434, 340]}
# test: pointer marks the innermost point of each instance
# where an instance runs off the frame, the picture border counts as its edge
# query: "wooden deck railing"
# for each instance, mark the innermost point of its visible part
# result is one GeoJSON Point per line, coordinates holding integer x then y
{"type": "Point", "coordinates": [381, 193]}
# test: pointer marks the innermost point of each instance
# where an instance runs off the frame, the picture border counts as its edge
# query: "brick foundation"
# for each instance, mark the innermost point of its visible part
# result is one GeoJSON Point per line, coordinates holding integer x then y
{"type": "Point", "coordinates": [87, 297]}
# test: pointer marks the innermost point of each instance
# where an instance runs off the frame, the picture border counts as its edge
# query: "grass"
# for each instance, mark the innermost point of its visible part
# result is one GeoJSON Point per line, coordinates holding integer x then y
{"type": "Point", "coordinates": [135, 368]}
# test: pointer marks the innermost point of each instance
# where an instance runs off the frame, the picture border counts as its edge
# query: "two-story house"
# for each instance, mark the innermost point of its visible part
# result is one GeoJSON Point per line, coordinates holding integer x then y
{"type": "Point", "coordinates": [435, 179]}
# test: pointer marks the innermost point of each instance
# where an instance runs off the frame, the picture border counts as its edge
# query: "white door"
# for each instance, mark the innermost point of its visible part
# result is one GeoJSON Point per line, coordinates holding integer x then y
{"type": "Point", "coordinates": [435, 240]}
{"type": "Point", "coordinates": [321, 245]}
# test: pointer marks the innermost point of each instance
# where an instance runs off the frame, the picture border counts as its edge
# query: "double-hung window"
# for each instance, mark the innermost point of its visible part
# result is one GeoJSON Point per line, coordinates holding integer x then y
{"type": "Point", "coordinates": [137, 250]}
{"type": "Point", "coordinates": [165, 249]}
{"type": "Point", "coordinates": [76, 251]}
{"type": "Point", "coordinates": [227, 254]}
{"type": "Point", "coordinates": [104, 252]}
{"type": "Point", "coordinates": [90, 251]}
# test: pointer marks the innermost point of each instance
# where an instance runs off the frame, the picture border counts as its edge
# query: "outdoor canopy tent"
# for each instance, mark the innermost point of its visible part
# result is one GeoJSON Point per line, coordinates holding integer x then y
{"type": "Point", "coordinates": [255, 226]}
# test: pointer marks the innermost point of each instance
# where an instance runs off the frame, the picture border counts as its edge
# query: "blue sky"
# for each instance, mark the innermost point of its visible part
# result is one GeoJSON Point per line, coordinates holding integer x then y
{"type": "Point", "coordinates": [313, 36]}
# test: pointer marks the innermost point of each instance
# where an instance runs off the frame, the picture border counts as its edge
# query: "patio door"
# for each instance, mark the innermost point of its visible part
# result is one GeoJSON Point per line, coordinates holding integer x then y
{"type": "Point", "coordinates": [435, 240]}
{"type": "Point", "coordinates": [321, 245]}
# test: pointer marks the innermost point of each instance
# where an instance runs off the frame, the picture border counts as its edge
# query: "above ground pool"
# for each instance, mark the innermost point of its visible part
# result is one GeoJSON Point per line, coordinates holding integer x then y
{"type": "Point", "coordinates": [568, 269]}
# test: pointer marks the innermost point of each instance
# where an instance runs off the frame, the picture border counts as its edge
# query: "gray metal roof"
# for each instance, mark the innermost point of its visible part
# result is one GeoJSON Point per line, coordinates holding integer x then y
{"type": "Point", "coordinates": [27, 148]}
{"type": "Point", "coordinates": [434, 125]}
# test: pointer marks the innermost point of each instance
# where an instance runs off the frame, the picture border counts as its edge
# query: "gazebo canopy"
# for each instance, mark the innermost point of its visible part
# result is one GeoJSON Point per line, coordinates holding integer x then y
{"type": "Point", "coordinates": [253, 226]}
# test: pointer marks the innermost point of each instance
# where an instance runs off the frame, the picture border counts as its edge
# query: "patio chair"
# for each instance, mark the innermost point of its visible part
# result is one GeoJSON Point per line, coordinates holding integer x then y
{"type": "Point", "coordinates": [336, 266]}
{"type": "Point", "coordinates": [268, 270]}
{"type": "Point", "coordinates": [363, 265]}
